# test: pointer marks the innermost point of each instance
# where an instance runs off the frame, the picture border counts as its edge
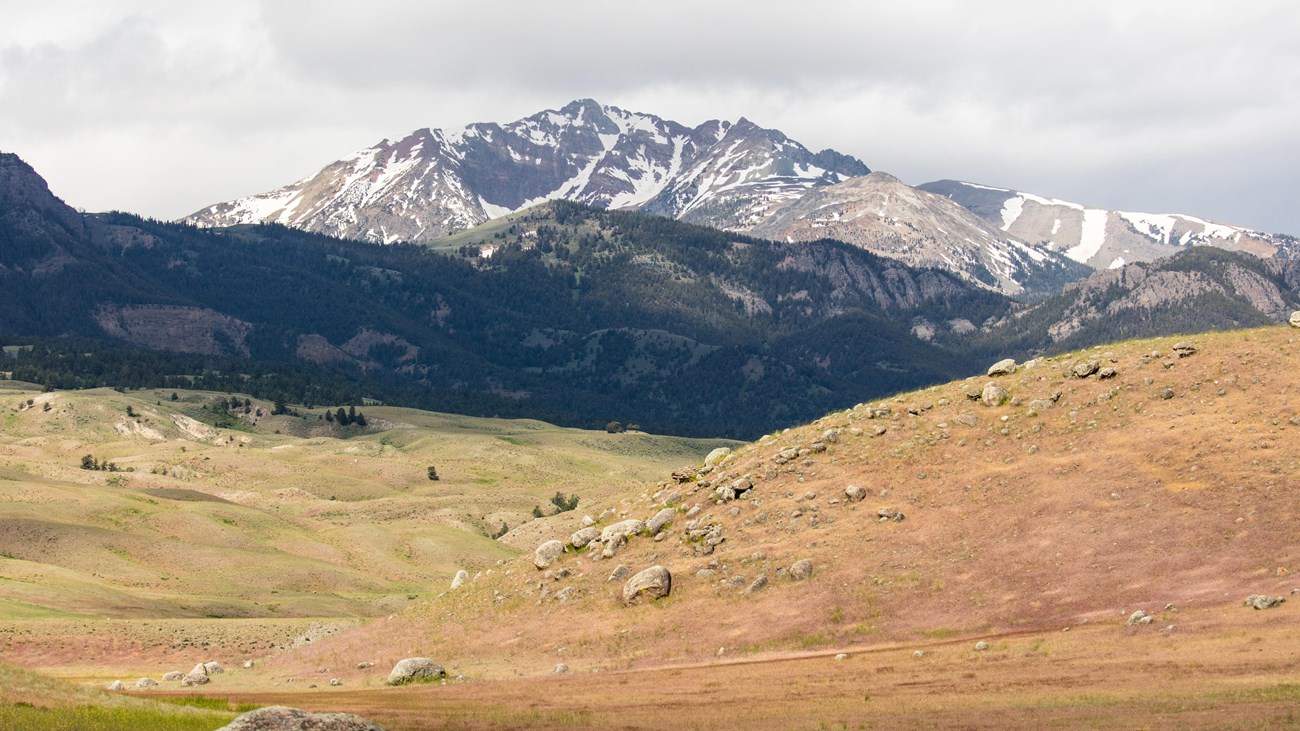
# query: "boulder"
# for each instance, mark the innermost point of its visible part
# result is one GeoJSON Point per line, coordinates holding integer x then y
{"type": "Point", "coordinates": [459, 580]}
{"type": "Point", "coordinates": [1085, 368]}
{"type": "Point", "coordinates": [1262, 601]}
{"type": "Point", "coordinates": [620, 572]}
{"type": "Point", "coordinates": [173, 675]}
{"type": "Point", "coordinates": [1139, 617]}
{"type": "Point", "coordinates": [855, 493]}
{"type": "Point", "coordinates": [647, 585]}
{"type": "Point", "coordinates": [283, 718]}
{"type": "Point", "coordinates": [981, 646]}
{"type": "Point", "coordinates": [561, 669]}
{"type": "Point", "coordinates": [660, 520]}
{"type": "Point", "coordinates": [146, 683]}
{"type": "Point", "coordinates": [716, 456]}
{"type": "Point", "coordinates": [213, 668]}
{"type": "Point", "coordinates": [1295, 319]}
{"type": "Point", "coordinates": [582, 537]}
{"type": "Point", "coordinates": [116, 685]}
{"type": "Point", "coordinates": [758, 585]}
{"type": "Point", "coordinates": [610, 548]}
{"type": "Point", "coordinates": [623, 528]}
{"type": "Point", "coordinates": [414, 670]}
{"type": "Point", "coordinates": [1184, 349]}
{"type": "Point", "coordinates": [801, 569]}
{"type": "Point", "coordinates": [336, 682]}
{"type": "Point", "coordinates": [195, 679]}
{"type": "Point", "coordinates": [993, 395]}
{"type": "Point", "coordinates": [1003, 367]}
{"type": "Point", "coordinates": [547, 554]}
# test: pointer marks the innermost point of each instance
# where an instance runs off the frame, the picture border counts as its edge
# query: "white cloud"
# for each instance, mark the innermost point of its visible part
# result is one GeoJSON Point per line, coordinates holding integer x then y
{"type": "Point", "coordinates": [165, 107]}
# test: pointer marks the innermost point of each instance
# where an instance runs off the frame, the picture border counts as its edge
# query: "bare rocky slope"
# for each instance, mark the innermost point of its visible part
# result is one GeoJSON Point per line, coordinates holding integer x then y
{"type": "Point", "coordinates": [1101, 238]}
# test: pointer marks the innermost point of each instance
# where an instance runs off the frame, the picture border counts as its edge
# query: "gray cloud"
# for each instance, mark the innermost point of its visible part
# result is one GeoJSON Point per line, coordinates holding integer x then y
{"type": "Point", "coordinates": [165, 107]}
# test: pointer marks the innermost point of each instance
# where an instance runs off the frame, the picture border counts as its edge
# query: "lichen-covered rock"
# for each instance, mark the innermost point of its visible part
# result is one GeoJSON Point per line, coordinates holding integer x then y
{"type": "Point", "coordinates": [648, 585]}
{"type": "Point", "coordinates": [1262, 601]}
{"type": "Point", "coordinates": [459, 580]}
{"type": "Point", "coordinates": [547, 554]}
{"type": "Point", "coordinates": [283, 718]}
{"type": "Point", "coordinates": [415, 669]}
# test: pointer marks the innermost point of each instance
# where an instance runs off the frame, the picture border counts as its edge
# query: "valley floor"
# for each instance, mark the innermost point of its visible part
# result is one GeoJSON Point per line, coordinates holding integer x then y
{"type": "Point", "coordinates": [1227, 667]}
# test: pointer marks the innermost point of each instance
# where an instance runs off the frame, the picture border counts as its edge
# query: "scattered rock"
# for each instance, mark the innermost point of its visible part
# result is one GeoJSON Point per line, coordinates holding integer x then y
{"type": "Point", "coordinates": [283, 718]}
{"type": "Point", "coordinates": [213, 668]}
{"type": "Point", "coordinates": [415, 669]}
{"type": "Point", "coordinates": [993, 395]}
{"type": "Point", "coordinates": [1003, 367]}
{"type": "Point", "coordinates": [757, 585]}
{"type": "Point", "coordinates": [1295, 319]}
{"type": "Point", "coordinates": [194, 679]}
{"type": "Point", "coordinates": [116, 685]}
{"type": "Point", "coordinates": [620, 572]}
{"type": "Point", "coordinates": [1107, 373]}
{"type": "Point", "coordinates": [561, 669]}
{"type": "Point", "coordinates": [855, 493]}
{"type": "Point", "coordinates": [459, 580]}
{"type": "Point", "coordinates": [717, 456]}
{"type": "Point", "coordinates": [547, 554]}
{"type": "Point", "coordinates": [1262, 601]}
{"type": "Point", "coordinates": [831, 436]}
{"type": "Point", "coordinates": [1139, 617]}
{"type": "Point", "coordinates": [583, 537]}
{"type": "Point", "coordinates": [890, 514]}
{"type": "Point", "coordinates": [842, 656]}
{"type": "Point", "coordinates": [1085, 369]}
{"type": "Point", "coordinates": [660, 520]}
{"type": "Point", "coordinates": [146, 683]}
{"type": "Point", "coordinates": [966, 419]}
{"type": "Point", "coordinates": [336, 682]}
{"type": "Point", "coordinates": [1166, 394]}
{"type": "Point", "coordinates": [649, 584]}
{"type": "Point", "coordinates": [918, 653]}
{"type": "Point", "coordinates": [173, 675]}
{"type": "Point", "coordinates": [611, 547]}
{"type": "Point", "coordinates": [248, 664]}
{"type": "Point", "coordinates": [801, 569]}
{"type": "Point", "coordinates": [1184, 349]}
{"type": "Point", "coordinates": [365, 665]}
{"type": "Point", "coordinates": [981, 646]}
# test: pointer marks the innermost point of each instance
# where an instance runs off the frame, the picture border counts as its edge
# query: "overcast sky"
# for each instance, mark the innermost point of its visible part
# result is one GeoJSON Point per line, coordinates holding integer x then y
{"type": "Point", "coordinates": [162, 107]}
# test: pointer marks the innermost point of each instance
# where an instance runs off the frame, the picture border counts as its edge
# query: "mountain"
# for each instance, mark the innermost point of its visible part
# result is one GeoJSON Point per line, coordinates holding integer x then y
{"type": "Point", "coordinates": [432, 182]}
{"type": "Point", "coordinates": [1101, 238]}
{"type": "Point", "coordinates": [581, 317]}
{"type": "Point", "coordinates": [881, 214]}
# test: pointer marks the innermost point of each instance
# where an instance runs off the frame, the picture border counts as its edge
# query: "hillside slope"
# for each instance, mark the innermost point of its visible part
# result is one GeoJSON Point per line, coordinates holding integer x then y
{"type": "Point", "coordinates": [1169, 486]}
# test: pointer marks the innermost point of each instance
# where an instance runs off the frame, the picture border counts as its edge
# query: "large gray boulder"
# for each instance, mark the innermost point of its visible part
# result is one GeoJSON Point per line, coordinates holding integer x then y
{"type": "Point", "coordinates": [583, 537]}
{"type": "Point", "coordinates": [197, 676]}
{"type": "Point", "coordinates": [624, 528]}
{"type": "Point", "coordinates": [213, 668]}
{"type": "Point", "coordinates": [1295, 319]}
{"type": "Point", "coordinates": [414, 670]}
{"type": "Point", "coordinates": [547, 554]}
{"type": "Point", "coordinates": [1003, 367]}
{"type": "Point", "coordinates": [660, 520]}
{"type": "Point", "coordinates": [650, 584]}
{"type": "Point", "coordinates": [283, 718]}
{"type": "Point", "coordinates": [993, 395]}
{"type": "Point", "coordinates": [717, 456]}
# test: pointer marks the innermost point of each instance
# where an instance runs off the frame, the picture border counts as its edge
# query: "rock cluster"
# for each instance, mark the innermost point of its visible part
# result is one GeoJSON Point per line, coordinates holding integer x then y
{"type": "Point", "coordinates": [1262, 601]}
